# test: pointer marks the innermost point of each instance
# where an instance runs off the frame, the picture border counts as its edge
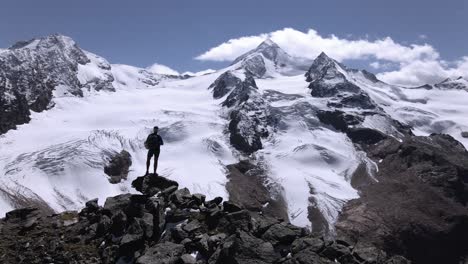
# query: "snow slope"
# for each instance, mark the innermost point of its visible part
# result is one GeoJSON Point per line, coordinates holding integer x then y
{"type": "Point", "coordinates": [58, 157]}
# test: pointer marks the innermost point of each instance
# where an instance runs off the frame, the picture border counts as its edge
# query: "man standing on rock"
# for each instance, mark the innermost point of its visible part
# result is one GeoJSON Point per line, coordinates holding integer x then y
{"type": "Point", "coordinates": [153, 143]}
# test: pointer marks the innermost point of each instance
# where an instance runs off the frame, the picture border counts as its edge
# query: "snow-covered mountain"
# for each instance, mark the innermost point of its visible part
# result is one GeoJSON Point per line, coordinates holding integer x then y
{"type": "Point", "coordinates": [302, 128]}
{"type": "Point", "coordinates": [269, 60]}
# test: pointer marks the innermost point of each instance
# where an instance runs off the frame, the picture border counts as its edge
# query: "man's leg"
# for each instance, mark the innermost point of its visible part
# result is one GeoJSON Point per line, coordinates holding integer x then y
{"type": "Point", "coordinates": [148, 161]}
{"type": "Point", "coordinates": [156, 158]}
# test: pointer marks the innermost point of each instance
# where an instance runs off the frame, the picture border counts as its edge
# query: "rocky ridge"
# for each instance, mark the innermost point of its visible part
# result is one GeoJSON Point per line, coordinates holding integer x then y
{"type": "Point", "coordinates": [167, 225]}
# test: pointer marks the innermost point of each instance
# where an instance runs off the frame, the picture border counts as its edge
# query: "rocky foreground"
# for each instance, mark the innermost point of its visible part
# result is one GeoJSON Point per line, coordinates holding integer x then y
{"type": "Point", "coordinates": [165, 224]}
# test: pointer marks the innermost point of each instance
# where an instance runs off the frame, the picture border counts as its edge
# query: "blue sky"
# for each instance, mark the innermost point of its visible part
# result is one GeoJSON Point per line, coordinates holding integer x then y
{"type": "Point", "coordinates": [174, 32]}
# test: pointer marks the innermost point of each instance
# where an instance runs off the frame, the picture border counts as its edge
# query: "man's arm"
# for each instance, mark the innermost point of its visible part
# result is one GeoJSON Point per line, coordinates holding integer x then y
{"type": "Point", "coordinates": [161, 140]}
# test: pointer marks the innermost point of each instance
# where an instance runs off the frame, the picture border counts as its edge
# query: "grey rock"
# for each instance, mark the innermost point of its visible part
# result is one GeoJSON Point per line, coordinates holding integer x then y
{"type": "Point", "coordinates": [164, 253]}
{"type": "Point", "coordinates": [118, 165]}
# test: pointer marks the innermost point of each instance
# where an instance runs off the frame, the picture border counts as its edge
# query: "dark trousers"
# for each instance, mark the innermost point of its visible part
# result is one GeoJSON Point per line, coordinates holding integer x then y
{"type": "Point", "coordinates": [151, 153]}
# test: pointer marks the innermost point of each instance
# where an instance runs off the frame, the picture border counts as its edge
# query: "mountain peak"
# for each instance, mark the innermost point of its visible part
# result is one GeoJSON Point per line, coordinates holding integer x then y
{"type": "Point", "coordinates": [47, 41]}
{"type": "Point", "coordinates": [320, 65]}
{"type": "Point", "coordinates": [268, 43]}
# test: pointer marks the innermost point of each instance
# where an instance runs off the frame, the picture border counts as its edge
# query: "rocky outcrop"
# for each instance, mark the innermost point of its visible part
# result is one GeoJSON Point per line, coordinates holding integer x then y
{"type": "Point", "coordinates": [31, 72]}
{"type": "Point", "coordinates": [248, 113]}
{"type": "Point", "coordinates": [169, 226]}
{"type": "Point", "coordinates": [348, 105]}
{"type": "Point", "coordinates": [418, 206]}
{"type": "Point", "coordinates": [118, 165]}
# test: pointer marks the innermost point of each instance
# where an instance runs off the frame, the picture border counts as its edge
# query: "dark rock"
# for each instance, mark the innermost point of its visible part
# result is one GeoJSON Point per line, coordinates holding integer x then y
{"type": "Point", "coordinates": [215, 202]}
{"type": "Point", "coordinates": [335, 251]}
{"type": "Point", "coordinates": [133, 238]}
{"type": "Point", "coordinates": [147, 222]}
{"type": "Point", "coordinates": [464, 134]}
{"type": "Point", "coordinates": [92, 205]}
{"type": "Point", "coordinates": [244, 248]}
{"type": "Point", "coordinates": [180, 196]}
{"type": "Point", "coordinates": [103, 226]}
{"type": "Point", "coordinates": [199, 198]}
{"type": "Point", "coordinates": [192, 226]}
{"type": "Point", "coordinates": [152, 184]}
{"type": "Point", "coordinates": [119, 223]}
{"type": "Point", "coordinates": [224, 84]}
{"type": "Point", "coordinates": [339, 119]}
{"type": "Point", "coordinates": [177, 215]}
{"type": "Point", "coordinates": [240, 220]}
{"type": "Point", "coordinates": [116, 203]}
{"type": "Point", "coordinates": [118, 165]}
{"type": "Point", "coordinates": [282, 233]}
{"type": "Point", "coordinates": [167, 253]}
{"type": "Point", "coordinates": [231, 207]}
{"type": "Point", "coordinates": [365, 135]}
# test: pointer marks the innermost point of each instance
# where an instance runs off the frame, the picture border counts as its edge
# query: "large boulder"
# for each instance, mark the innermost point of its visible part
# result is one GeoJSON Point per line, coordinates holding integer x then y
{"type": "Point", "coordinates": [117, 166]}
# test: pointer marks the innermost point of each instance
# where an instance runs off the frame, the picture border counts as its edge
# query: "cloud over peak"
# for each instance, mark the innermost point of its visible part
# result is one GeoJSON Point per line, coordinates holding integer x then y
{"type": "Point", "coordinates": [415, 64]}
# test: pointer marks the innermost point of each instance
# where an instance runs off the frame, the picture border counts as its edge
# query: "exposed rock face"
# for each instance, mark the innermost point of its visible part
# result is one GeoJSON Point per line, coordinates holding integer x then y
{"type": "Point", "coordinates": [248, 112]}
{"type": "Point", "coordinates": [118, 166]}
{"type": "Point", "coordinates": [349, 105]}
{"type": "Point", "coordinates": [418, 207]}
{"type": "Point", "coordinates": [224, 84]}
{"type": "Point", "coordinates": [172, 226]}
{"type": "Point", "coordinates": [248, 187]}
{"type": "Point", "coordinates": [326, 80]}
{"type": "Point", "coordinates": [458, 84]}
{"type": "Point", "coordinates": [31, 72]}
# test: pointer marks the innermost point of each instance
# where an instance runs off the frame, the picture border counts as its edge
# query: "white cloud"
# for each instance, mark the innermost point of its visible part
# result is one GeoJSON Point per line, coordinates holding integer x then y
{"type": "Point", "coordinates": [309, 44]}
{"type": "Point", "coordinates": [421, 72]}
{"type": "Point", "coordinates": [410, 64]}
{"type": "Point", "coordinates": [162, 69]}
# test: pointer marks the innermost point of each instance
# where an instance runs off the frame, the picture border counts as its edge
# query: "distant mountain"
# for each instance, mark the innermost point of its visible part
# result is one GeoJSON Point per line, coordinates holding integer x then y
{"type": "Point", "coordinates": [268, 60]}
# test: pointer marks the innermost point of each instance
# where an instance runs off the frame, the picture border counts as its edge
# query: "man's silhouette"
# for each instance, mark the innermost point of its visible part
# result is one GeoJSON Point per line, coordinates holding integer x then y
{"type": "Point", "coordinates": [153, 143]}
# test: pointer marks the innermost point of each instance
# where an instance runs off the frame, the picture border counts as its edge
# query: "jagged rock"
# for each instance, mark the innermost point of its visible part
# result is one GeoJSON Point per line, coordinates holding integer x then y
{"type": "Point", "coordinates": [215, 202]}
{"type": "Point", "coordinates": [231, 207]}
{"type": "Point", "coordinates": [152, 184]}
{"type": "Point", "coordinates": [464, 134]}
{"type": "Point", "coordinates": [244, 248]}
{"type": "Point", "coordinates": [164, 253]}
{"type": "Point", "coordinates": [282, 233]}
{"type": "Point", "coordinates": [119, 223]}
{"type": "Point", "coordinates": [224, 84]}
{"type": "Point", "coordinates": [133, 238]}
{"type": "Point", "coordinates": [119, 202]}
{"type": "Point", "coordinates": [118, 166]}
{"type": "Point", "coordinates": [92, 205]}
{"type": "Point", "coordinates": [199, 198]}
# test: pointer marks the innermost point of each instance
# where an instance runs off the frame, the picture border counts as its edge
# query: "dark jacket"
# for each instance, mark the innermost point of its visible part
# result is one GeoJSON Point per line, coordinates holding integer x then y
{"type": "Point", "coordinates": [154, 141]}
